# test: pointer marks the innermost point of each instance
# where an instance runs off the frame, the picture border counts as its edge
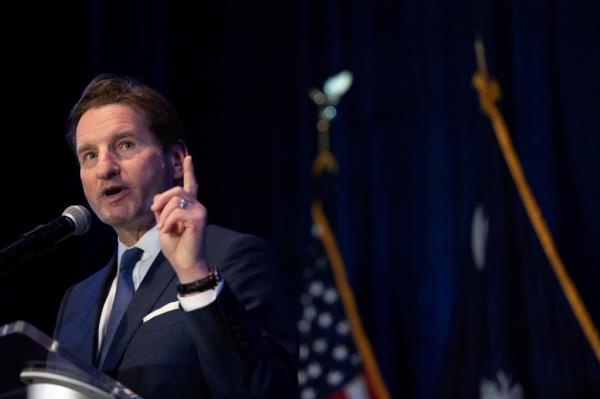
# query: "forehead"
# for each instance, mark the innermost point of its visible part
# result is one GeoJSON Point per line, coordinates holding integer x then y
{"type": "Point", "coordinates": [103, 122]}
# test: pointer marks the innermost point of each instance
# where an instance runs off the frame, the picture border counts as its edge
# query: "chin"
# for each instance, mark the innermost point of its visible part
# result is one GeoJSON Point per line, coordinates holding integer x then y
{"type": "Point", "coordinates": [115, 217]}
{"type": "Point", "coordinates": [113, 220]}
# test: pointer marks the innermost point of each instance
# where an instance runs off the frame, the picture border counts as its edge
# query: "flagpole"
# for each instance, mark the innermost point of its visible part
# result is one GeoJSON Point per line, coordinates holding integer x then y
{"type": "Point", "coordinates": [324, 163]}
{"type": "Point", "coordinates": [489, 94]}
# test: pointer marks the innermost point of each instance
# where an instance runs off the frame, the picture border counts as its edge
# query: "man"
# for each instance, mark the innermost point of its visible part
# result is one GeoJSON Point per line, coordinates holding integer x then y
{"type": "Point", "coordinates": [198, 310]}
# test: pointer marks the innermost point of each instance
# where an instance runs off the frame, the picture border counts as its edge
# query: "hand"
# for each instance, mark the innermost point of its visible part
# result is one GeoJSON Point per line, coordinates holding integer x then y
{"type": "Point", "coordinates": [182, 230]}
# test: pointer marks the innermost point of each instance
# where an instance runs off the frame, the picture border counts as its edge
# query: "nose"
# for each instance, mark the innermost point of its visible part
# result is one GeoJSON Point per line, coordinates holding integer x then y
{"type": "Point", "coordinates": [107, 166]}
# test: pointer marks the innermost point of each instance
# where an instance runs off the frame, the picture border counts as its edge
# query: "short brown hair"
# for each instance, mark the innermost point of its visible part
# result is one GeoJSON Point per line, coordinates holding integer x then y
{"type": "Point", "coordinates": [158, 113]}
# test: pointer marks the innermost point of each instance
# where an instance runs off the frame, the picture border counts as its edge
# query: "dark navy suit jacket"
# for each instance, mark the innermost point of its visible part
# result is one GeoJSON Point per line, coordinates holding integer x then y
{"type": "Point", "coordinates": [243, 345]}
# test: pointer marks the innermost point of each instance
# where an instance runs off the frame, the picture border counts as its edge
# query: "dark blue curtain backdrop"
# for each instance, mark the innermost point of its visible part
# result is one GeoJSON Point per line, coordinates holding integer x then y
{"type": "Point", "coordinates": [416, 158]}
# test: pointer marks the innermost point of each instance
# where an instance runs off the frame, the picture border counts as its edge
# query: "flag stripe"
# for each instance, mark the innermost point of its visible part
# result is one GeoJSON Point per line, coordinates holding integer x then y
{"type": "Point", "coordinates": [348, 302]}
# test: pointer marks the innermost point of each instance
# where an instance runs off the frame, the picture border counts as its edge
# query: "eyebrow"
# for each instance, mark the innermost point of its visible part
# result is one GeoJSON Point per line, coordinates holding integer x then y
{"type": "Point", "coordinates": [116, 137]}
{"type": "Point", "coordinates": [83, 148]}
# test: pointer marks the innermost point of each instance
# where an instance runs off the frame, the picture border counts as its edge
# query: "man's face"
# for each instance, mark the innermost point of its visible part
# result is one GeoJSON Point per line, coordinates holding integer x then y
{"type": "Point", "coordinates": [122, 166]}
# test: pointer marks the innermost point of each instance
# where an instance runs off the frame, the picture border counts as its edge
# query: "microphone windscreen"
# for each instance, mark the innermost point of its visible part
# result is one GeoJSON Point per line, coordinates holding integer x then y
{"type": "Point", "coordinates": [80, 216]}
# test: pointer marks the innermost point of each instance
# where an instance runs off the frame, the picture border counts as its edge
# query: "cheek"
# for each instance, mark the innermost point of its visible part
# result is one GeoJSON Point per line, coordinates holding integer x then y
{"type": "Point", "coordinates": [88, 184]}
{"type": "Point", "coordinates": [154, 173]}
{"type": "Point", "coordinates": [85, 180]}
{"type": "Point", "coordinates": [154, 180]}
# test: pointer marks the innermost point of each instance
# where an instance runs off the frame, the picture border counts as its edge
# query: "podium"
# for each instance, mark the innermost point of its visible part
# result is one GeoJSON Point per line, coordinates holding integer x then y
{"type": "Point", "coordinates": [33, 366]}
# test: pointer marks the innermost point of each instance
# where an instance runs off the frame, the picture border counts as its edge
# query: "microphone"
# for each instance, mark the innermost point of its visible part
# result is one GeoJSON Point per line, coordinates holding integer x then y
{"type": "Point", "coordinates": [75, 220]}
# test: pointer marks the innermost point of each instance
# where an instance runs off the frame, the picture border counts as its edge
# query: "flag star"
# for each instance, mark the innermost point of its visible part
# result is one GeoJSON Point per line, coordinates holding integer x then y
{"type": "Point", "coordinates": [308, 393]}
{"type": "Point", "coordinates": [310, 313]}
{"type": "Point", "coordinates": [343, 328]}
{"type": "Point", "coordinates": [355, 359]}
{"type": "Point", "coordinates": [330, 296]}
{"type": "Point", "coordinates": [303, 352]}
{"type": "Point", "coordinates": [357, 388]}
{"type": "Point", "coordinates": [340, 352]}
{"type": "Point", "coordinates": [316, 288]}
{"type": "Point", "coordinates": [304, 326]}
{"type": "Point", "coordinates": [302, 377]}
{"type": "Point", "coordinates": [325, 320]}
{"type": "Point", "coordinates": [334, 377]}
{"type": "Point", "coordinates": [314, 370]}
{"type": "Point", "coordinates": [320, 345]}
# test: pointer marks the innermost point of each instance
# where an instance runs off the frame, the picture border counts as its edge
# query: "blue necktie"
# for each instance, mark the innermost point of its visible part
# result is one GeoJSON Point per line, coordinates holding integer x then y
{"type": "Point", "coordinates": [125, 290]}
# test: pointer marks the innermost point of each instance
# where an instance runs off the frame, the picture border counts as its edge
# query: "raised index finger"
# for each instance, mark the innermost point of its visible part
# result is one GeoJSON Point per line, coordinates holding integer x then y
{"type": "Point", "coordinates": [189, 178]}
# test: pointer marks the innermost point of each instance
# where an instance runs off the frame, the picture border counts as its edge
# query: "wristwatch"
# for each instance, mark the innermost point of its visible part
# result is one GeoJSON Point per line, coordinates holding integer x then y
{"type": "Point", "coordinates": [204, 284]}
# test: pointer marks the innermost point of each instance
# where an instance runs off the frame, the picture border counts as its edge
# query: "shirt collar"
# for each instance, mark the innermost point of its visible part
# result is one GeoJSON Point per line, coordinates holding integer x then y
{"type": "Point", "coordinates": [148, 242]}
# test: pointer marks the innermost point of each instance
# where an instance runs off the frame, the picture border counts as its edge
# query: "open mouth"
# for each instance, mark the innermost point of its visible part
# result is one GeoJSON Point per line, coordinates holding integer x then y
{"type": "Point", "coordinates": [112, 191]}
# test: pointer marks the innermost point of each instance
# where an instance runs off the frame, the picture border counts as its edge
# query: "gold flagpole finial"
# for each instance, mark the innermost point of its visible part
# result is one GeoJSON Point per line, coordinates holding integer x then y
{"type": "Point", "coordinates": [326, 100]}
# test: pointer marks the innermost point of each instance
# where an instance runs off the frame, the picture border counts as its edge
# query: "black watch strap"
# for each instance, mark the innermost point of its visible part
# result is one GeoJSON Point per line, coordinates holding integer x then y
{"type": "Point", "coordinates": [204, 284]}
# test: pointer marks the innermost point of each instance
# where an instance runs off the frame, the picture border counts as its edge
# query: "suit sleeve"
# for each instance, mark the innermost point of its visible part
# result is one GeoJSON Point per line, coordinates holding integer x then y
{"type": "Point", "coordinates": [246, 340]}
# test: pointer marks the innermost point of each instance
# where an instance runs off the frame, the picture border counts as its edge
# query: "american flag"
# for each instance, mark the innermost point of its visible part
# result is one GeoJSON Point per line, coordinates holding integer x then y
{"type": "Point", "coordinates": [330, 365]}
{"type": "Point", "coordinates": [335, 356]}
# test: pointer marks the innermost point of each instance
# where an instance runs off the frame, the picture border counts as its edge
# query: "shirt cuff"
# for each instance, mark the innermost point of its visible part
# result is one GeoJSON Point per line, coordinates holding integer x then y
{"type": "Point", "coordinates": [200, 299]}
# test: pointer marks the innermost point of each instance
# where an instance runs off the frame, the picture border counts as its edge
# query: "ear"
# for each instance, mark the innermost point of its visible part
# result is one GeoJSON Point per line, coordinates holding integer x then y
{"type": "Point", "coordinates": [177, 153]}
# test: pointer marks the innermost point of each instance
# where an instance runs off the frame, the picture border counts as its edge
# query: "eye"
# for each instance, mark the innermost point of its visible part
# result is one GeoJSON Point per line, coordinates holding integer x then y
{"type": "Point", "coordinates": [127, 145]}
{"type": "Point", "coordinates": [88, 156]}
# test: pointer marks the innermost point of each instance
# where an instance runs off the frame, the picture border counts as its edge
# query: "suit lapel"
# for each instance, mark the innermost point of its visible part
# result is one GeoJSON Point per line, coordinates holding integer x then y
{"type": "Point", "coordinates": [86, 334]}
{"type": "Point", "coordinates": [150, 290]}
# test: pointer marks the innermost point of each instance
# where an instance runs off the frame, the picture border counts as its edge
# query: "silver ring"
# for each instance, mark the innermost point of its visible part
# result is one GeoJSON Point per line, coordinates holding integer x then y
{"type": "Point", "coordinates": [183, 203]}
